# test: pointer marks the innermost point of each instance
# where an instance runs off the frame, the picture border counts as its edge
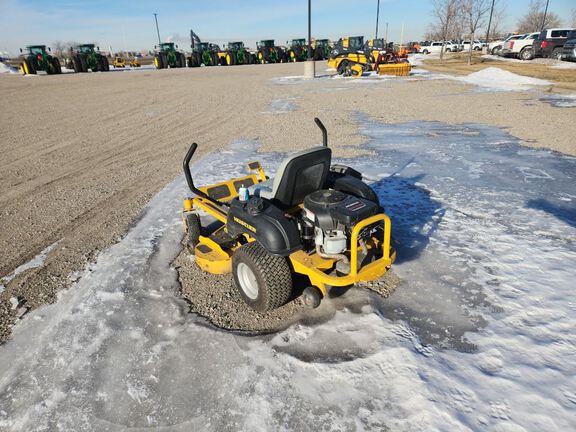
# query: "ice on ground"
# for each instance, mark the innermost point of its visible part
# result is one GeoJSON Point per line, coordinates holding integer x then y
{"type": "Point", "coordinates": [4, 68]}
{"type": "Point", "coordinates": [37, 261]}
{"type": "Point", "coordinates": [495, 79]}
{"type": "Point", "coordinates": [282, 106]}
{"type": "Point", "coordinates": [561, 101]}
{"type": "Point", "coordinates": [478, 337]}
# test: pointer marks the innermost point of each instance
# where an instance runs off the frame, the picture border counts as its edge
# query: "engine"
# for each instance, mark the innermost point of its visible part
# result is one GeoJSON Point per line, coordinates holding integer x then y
{"type": "Point", "coordinates": [330, 216]}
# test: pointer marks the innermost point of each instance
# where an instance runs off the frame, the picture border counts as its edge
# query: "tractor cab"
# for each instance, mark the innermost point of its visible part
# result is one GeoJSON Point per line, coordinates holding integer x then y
{"type": "Point", "coordinates": [86, 48]}
{"type": "Point", "coordinates": [265, 44]}
{"type": "Point", "coordinates": [166, 46]}
{"type": "Point", "coordinates": [298, 42]}
{"type": "Point", "coordinates": [236, 45]}
{"type": "Point", "coordinates": [375, 44]}
{"type": "Point", "coordinates": [37, 50]}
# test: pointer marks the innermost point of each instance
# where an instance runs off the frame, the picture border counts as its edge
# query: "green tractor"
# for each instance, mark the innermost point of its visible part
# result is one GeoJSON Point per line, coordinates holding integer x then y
{"type": "Point", "coordinates": [322, 49]}
{"type": "Point", "coordinates": [235, 54]}
{"type": "Point", "coordinates": [168, 57]}
{"type": "Point", "coordinates": [298, 50]}
{"type": "Point", "coordinates": [204, 53]}
{"type": "Point", "coordinates": [37, 59]}
{"type": "Point", "coordinates": [268, 52]}
{"type": "Point", "coordinates": [85, 57]}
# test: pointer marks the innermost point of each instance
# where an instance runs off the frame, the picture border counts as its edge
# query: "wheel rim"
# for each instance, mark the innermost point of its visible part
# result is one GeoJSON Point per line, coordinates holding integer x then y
{"type": "Point", "coordinates": [247, 280]}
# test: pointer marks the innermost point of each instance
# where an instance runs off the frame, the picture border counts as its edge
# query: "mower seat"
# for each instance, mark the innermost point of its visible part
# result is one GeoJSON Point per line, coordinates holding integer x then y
{"type": "Point", "coordinates": [298, 176]}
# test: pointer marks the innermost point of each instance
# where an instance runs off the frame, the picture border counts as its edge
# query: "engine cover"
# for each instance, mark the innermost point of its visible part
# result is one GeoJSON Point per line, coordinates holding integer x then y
{"type": "Point", "coordinates": [331, 208]}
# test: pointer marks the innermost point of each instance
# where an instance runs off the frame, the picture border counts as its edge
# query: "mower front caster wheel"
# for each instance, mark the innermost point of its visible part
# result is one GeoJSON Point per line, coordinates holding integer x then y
{"type": "Point", "coordinates": [312, 297]}
{"type": "Point", "coordinates": [264, 281]}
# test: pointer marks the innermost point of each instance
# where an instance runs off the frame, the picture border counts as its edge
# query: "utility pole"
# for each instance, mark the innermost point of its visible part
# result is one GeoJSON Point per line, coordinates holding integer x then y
{"type": "Point", "coordinates": [544, 18]}
{"type": "Point", "coordinates": [157, 31]}
{"type": "Point", "coordinates": [309, 29]}
{"type": "Point", "coordinates": [309, 64]}
{"type": "Point", "coordinates": [377, 16]}
{"type": "Point", "coordinates": [489, 22]}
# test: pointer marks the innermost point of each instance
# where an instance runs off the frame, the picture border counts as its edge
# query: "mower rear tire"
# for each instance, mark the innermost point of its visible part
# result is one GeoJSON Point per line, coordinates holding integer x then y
{"type": "Point", "coordinates": [194, 229]}
{"type": "Point", "coordinates": [264, 281]}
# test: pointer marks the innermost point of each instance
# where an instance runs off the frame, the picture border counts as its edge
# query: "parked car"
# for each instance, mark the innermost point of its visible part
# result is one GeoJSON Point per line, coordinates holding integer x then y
{"type": "Point", "coordinates": [494, 47]}
{"type": "Point", "coordinates": [476, 45]}
{"type": "Point", "coordinates": [432, 47]}
{"type": "Point", "coordinates": [450, 46]}
{"type": "Point", "coordinates": [550, 42]}
{"type": "Point", "coordinates": [520, 47]}
{"type": "Point", "coordinates": [569, 49]}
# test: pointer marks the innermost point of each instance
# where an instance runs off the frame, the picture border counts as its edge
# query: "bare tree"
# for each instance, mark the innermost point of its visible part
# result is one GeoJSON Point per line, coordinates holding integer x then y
{"type": "Point", "coordinates": [573, 21]}
{"type": "Point", "coordinates": [59, 48]}
{"type": "Point", "coordinates": [475, 14]}
{"type": "Point", "coordinates": [445, 12]}
{"type": "Point", "coordinates": [532, 21]}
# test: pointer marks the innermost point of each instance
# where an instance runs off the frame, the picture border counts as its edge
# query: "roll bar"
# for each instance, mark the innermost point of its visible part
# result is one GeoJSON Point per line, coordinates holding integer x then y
{"type": "Point", "coordinates": [324, 131]}
{"type": "Point", "coordinates": [190, 181]}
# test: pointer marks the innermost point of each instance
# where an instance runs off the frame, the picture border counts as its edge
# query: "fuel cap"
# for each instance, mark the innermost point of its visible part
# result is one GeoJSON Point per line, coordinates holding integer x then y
{"type": "Point", "coordinates": [255, 205]}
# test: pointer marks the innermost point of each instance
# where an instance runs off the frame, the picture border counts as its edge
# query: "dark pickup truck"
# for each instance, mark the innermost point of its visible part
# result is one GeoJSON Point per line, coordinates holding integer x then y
{"type": "Point", "coordinates": [550, 42]}
{"type": "Point", "coordinates": [569, 50]}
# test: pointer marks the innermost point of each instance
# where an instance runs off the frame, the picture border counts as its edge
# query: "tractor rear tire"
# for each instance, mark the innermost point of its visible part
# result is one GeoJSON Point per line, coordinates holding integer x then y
{"type": "Point", "coordinates": [194, 229]}
{"type": "Point", "coordinates": [264, 281]}
{"type": "Point", "coordinates": [56, 65]}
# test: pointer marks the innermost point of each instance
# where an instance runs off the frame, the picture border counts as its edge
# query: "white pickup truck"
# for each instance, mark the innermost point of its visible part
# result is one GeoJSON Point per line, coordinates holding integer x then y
{"type": "Point", "coordinates": [476, 45]}
{"type": "Point", "coordinates": [519, 46]}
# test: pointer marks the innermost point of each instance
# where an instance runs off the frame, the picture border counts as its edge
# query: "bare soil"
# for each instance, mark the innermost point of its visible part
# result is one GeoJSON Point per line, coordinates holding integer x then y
{"type": "Point", "coordinates": [83, 153]}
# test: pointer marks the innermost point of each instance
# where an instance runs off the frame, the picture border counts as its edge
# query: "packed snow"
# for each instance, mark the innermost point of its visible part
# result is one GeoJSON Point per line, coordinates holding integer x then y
{"type": "Point", "coordinates": [282, 105]}
{"type": "Point", "coordinates": [495, 79]}
{"type": "Point", "coordinates": [479, 336]}
{"type": "Point", "coordinates": [4, 68]}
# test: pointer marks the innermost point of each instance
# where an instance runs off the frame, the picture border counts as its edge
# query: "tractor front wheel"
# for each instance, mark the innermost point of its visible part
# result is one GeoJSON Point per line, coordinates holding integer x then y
{"type": "Point", "coordinates": [27, 68]}
{"type": "Point", "coordinates": [158, 62]}
{"type": "Point", "coordinates": [264, 281]}
{"type": "Point", "coordinates": [56, 65]}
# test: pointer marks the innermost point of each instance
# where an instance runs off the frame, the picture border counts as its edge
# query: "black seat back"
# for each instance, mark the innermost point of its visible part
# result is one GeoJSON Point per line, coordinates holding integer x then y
{"type": "Point", "coordinates": [300, 175]}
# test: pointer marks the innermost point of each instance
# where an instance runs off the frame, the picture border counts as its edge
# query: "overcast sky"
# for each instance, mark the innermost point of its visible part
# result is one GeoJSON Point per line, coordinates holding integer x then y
{"type": "Point", "coordinates": [130, 24]}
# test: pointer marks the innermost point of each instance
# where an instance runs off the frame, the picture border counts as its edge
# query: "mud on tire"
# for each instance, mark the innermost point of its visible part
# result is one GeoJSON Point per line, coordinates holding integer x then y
{"type": "Point", "coordinates": [264, 281]}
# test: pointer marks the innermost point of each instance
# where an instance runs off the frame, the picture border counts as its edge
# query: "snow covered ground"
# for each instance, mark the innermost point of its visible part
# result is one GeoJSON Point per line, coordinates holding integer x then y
{"type": "Point", "coordinates": [4, 68]}
{"type": "Point", "coordinates": [479, 336]}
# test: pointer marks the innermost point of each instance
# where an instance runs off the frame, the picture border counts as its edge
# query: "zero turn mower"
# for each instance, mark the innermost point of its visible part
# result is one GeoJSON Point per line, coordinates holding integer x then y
{"type": "Point", "coordinates": [37, 59]}
{"type": "Point", "coordinates": [351, 57]}
{"type": "Point", "coordinates": [119, 62]}
{"type": "Point", "coordinates": [270, 53]}
{"type": "Point", "coordinates": [312, 219]}
{"type": "Point", "coordinates": [168, 57]}
{"type": "Point", "coordinates": [85, 57]}
{"type": "Point", "coordinates": [298, 50]}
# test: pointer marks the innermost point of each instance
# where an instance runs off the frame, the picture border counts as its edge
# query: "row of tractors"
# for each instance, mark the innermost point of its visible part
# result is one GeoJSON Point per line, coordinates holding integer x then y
{"type": "Point", "coordinates": [236, 53]}
{"type": "Point", "coordinates": [82, 58]}
{"type": "Point", "coordinates": [350, 56]}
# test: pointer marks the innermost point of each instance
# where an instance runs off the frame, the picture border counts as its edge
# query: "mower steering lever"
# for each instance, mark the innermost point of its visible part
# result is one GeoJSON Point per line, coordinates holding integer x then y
{"type": "Point", "coordinates": [324, 131]}
{"type": "Point", "coordinates": [190, 181]}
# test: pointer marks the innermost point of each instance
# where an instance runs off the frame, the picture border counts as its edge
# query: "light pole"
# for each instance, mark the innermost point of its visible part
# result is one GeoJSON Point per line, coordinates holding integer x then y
{"type": "Point", "coordinates": [157, 31]}
{"type": "Point", "coordinates": [544, 18]}
{"type": "Point", "coordinates": [309, 65]}
{"type": "Point", "coordinates": [377, 16]}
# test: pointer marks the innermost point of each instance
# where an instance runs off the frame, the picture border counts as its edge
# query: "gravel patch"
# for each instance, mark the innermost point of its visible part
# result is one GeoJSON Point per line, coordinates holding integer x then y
{"type": "Point", "coordinates": [215, 298]}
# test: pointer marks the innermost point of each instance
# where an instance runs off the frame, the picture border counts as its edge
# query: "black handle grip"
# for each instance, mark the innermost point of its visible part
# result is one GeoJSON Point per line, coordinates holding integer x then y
{"type": "Point", "coordinates": [324, 131]}
{"type": "Point", "coordinates": [188, 175]}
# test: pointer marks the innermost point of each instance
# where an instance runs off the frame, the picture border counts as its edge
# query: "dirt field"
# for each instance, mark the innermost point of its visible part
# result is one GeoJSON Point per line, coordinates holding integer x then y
{"type": "Point", "coordinates": [82, 153]}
